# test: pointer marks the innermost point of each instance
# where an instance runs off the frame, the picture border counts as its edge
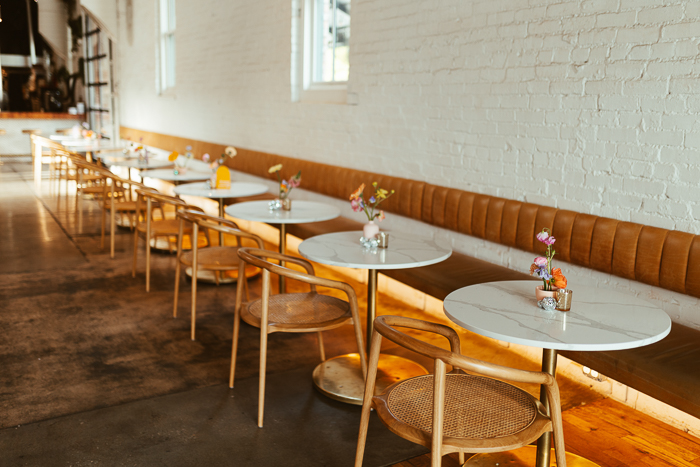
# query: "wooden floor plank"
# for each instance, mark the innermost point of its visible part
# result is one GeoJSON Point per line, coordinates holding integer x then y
{"type": "Point", "coordinates": [613, 435]}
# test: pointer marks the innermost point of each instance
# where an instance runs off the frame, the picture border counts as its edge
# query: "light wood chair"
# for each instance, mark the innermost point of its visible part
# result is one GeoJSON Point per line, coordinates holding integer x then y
{"type": "Point", "coordinates": [218, 259]}
{"type": "Point", "coordinates": [456, 411]}
{"type": "Point", "coordinates": [115, 200]}
{"type": "Point", "coordinates": [150, 199]}
{"type": "Point", "coordinates": [291, 312]}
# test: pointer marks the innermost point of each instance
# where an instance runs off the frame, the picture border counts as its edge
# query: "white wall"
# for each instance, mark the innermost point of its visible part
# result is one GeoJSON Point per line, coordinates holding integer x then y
{"type": "Point", "coordinates": [53, 25]}
{"type": "Point", "coordinates": [587, 105]}
{"type": "Point", "coordinates": [106, 12]}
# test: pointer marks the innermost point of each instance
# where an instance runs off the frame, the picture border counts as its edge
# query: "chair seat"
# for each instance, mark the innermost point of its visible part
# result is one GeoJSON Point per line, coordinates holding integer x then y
{"type": "Point", "coordinates": [123, 205]}
{"type": "Point", "coordinates": [214, 258]}
{"type": "Point", "coordinates": [303, 311]}
{"type": "Point", "coordinates": [481, 413]}
{"type": "Point", "coordinates": [165, 227]}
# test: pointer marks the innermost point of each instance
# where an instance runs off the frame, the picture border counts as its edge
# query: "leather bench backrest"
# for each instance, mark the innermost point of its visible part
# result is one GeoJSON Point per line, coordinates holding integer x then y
{"type": "Point", "coordinates": [654, 256]}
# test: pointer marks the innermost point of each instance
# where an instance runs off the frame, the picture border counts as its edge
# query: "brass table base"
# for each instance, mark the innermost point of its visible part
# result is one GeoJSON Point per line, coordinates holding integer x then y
{"type": "Point", "coordinates": [340, 378]}
{"type": "Point", "coordinates": [524, 457]}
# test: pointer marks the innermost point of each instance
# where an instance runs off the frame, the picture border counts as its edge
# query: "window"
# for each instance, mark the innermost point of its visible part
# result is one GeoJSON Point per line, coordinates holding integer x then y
{"type": "Point", "coordinates": [167, 44]}
{"type": "Point", "coordinates": [331, 40]}
{"type": "Point", "coordinates": [325, 53]}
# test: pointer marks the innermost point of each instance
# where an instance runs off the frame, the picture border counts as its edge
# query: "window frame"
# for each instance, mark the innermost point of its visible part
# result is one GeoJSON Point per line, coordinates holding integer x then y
{"type": "Point", "coordinates": [312, 90]}
{"type": "Point", "coordinates": [167, 26]}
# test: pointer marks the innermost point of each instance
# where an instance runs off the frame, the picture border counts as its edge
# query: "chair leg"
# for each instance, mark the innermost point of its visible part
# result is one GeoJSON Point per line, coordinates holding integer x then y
{"type": "Point", "coordinates": [438, 412]}
{"type": "Point", "coordinates": [321, 350]}
{"type": "Point", "coordinates": [369, 392]}
{"type": "Point", "coordinates": [263, 345]}
{"type": "Point", "coordinates": [136, 250]}
{"type": "Point", "coordinates": [177, 288]}
{"type": "Point", "coordinates": [236, 323]}
{"type": "Point", "coordinates": [461, 458]}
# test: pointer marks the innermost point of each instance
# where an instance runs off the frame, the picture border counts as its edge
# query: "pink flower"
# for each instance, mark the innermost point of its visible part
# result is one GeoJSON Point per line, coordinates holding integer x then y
{"type": "Point", "coordinates": [543, 236]}
{"type": "Point", "coordinates": [541, 261]}
{"type": "Point", "coordinates": [205, 157]}
{"type": "Point", "coordinates": [294, 182]}
{"type": "Point", "coordinates": [381, 216]}
{"type": "Point", "coordinates": [356, 205]}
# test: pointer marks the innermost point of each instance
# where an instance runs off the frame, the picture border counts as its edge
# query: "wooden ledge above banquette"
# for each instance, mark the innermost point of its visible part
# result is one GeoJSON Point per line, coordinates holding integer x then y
{"type": "Point", "coordinates": [40, 116]}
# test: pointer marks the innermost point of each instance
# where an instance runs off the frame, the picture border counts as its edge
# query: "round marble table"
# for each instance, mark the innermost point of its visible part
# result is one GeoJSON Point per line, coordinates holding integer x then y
{"type": "Point", "coordinates": [301, 213]}
{"type": "Point", "coordinates": [600, 319]}
{"type": "Point", "coordinates": [341, 377]}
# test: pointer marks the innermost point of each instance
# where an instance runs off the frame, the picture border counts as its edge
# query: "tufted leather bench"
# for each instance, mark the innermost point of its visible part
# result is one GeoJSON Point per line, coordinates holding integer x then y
{"type": "Point", "coordinates": [668, 370]}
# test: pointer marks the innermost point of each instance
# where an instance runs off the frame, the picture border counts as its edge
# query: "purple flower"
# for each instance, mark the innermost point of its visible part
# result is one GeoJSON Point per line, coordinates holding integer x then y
{"type": "Point", "coordinates": [372, 199]}
{"type": "Point", "coordinates": [541, 261]}
{"type": "Point", "coordinates": [542, 274]}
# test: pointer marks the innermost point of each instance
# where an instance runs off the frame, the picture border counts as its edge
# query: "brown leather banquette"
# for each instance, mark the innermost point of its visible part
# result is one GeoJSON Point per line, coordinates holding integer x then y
{"type": "Point", "coordinates": [668, 370]}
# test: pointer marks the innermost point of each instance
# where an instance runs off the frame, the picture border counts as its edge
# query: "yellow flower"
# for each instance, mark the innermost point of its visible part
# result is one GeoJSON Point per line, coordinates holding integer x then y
{"type": "Point", "coordinates": [356, 194]}
{"type": "Point", "coordinates": [381, 193]}
{"type": "Point", "coordinates": [139, 148]}
{"type": "Point", "coordinates": [173, 155]}
{"type": "Point", "coordinates": [230, 151]}
{"type": "Point", "coordinates": [274, 168]}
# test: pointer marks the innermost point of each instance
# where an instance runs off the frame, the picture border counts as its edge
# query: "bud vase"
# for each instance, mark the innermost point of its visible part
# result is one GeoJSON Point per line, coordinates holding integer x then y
{"type": "Point", "coordinates": [286, 204]}
{"type": "Point", "coordinates": [540, 293]}
{"type": "Point", "coordinates": [370, 230]}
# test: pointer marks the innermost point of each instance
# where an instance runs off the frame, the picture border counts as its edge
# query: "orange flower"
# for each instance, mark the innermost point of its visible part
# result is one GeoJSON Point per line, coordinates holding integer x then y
{"type": "Point", "coordinates": [356, 194]}
{"type": "Point", "coordinates": [533, 268]}
{"type": "Point", "coordinates": [558, 279]}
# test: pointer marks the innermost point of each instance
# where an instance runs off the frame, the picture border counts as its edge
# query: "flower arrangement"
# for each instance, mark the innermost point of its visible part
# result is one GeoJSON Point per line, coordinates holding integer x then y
{"type": "Point", "coordinates": [230, 151]}
{"type": "Point", "coordinates": [286, 186]}
{"type": "Point", "coordinates": [358, 203]}
{"type": "Point", "coordinates": [542, 266]}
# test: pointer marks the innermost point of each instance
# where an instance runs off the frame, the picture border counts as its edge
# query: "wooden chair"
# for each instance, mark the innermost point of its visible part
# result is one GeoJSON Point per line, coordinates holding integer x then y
{"type": "Point", "coordinates": [154, 228]}
{"type": "Point", "coordinates": [115, 200]}
{"type": "Point", "coordinates": [456, 411]}
{"type": "Point", "coordinates": [212, 258]}
{"type": "Point", "coordinates": [291, 312]}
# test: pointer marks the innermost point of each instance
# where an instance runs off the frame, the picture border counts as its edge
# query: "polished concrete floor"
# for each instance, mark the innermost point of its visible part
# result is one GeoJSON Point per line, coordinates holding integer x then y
{"type": "Point", "coordinates": [95, 371]}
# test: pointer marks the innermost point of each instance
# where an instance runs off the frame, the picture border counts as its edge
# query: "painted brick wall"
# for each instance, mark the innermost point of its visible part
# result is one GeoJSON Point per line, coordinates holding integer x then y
{"type": "Point", "coordinates": [589, 105]}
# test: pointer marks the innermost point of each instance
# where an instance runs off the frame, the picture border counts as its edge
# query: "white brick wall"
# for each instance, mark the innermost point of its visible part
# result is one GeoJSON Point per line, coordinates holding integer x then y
{"type": "Point", "coordinates": [588, 105]}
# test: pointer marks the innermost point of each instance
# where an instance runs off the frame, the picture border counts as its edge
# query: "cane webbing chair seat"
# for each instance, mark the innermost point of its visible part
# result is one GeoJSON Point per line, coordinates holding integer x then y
{"type": "Point", "coordinates": [299, 308]}
{"type": "Point", "coordinates": [475, 407]}
{"type": "Point", "coordinates": [214, 258]}
{"type": "Point", "coordinates": [164, 227]}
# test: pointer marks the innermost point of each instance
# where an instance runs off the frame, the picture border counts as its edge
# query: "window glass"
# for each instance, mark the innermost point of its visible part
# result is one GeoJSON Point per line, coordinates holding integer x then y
{"type": "Point", "coordinates": [332, 39]}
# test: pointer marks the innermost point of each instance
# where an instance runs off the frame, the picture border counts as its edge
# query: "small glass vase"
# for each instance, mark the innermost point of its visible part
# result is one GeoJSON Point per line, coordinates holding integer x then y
{"type": "Point", "coordinates": [370, 230]}
{"type": "Point", "coordinates": [286, 204]}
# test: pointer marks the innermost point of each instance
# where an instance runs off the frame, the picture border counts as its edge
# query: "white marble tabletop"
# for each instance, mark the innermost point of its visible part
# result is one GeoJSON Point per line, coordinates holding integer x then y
{"type": "Point", "coordinates": [237, 190]}
{"type": "Point", "coordinates": [169, 175]}
{"type": "Point", "coordinates": [599, 319]}
{"type": "Point", "coordinates": [135, 163]}
{"type": "Point", "coordinates": [344, 249]}
{"type": "Point", "coordinates": [301, 212]}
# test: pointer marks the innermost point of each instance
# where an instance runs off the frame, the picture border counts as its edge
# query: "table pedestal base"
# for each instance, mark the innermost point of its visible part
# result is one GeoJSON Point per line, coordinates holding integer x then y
{"type": "Point", "coordinates": [524, 457]}
{"type": "Point", "coordinates": [340, 378]}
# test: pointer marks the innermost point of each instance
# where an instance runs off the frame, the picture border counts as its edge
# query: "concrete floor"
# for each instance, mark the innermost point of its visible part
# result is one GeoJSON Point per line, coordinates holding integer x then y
{"type": "Point", "coordinates": [95, 371]}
